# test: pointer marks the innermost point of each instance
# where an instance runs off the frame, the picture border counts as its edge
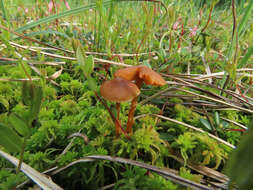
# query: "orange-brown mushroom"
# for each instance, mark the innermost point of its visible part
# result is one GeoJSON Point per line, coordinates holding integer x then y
{"type": "Point", "coordinates": [150, 77]}
{"type": "Point", "coordinates": [140, 74]}
{"type": "Point", "coordinates": [129, 73]}
{"type": "Point", "coordinates": [119, 90]}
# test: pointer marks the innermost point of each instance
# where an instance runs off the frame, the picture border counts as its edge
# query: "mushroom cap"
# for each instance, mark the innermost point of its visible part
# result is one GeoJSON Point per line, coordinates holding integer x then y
{"type": "Point", "coordinates": [129, 73]}
{"type": "Point", "coordinates": [143, 72]}
{"type": "Point", "coordinates": [119, 90]}
{"type": "Point", "coordinates": [150, 77]}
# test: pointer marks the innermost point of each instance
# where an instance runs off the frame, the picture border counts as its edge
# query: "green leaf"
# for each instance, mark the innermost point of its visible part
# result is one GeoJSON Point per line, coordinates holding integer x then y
{"type": "Point", "coordinates": [86, 63]}
{"type": "Point", "coordinates": [19, 124]}
{"type": "Point", "coordinates": [92, 83]}
{"type": "Point", "coordinates": [26, 93]}
{"type": "Point", "coordinates": [89, 65]}
{"type": "Point", "coordinates": [36, 101]}
{"type": "Point", "coordinates": [9, 139]}
{"type": "Point", "coordinates": [224, 124]}
{"type": "Point", "coordinates": [217, 118]}
{"type": "Point", "coordinates": [80, 55]}
{"type": "Point", "coordinates": [240, 165]}
{"type": "Point", "coordinates": [205, 123]}
{"type": "Point", "coordinates": [32, 96]}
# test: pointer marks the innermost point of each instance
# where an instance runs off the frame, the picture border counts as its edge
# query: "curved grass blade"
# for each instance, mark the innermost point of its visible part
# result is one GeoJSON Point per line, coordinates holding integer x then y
{"type": "Point", "coordinates": [165, 173]}
{"type": "Point", "coordinates": [4, 10]}
{"type": "Point", "coordinates": [45, 32]}
{"type": "Point", "coordinates": [246, 57]}
{"type": "Point", "coordinates": [60, 15]}
{"type": "Point", "coordinates": [246, 16]}
{"type": "Point", "coordinates": [37, 177]}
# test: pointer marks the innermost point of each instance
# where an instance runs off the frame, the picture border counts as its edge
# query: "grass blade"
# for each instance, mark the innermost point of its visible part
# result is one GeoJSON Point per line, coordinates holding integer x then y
{"type": "Point", "coordinates": [4, 10]}
{"type": "Point", "coordinates": [243, 62]}
{"type": "Point", "coordinates": [245, 17]}
{"type": "Point", "coordinates": [60, 15]}
{"type": "Point", "coordinates": [37, 177]}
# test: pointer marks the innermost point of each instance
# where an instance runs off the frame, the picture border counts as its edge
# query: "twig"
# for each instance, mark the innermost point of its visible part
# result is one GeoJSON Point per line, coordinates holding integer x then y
{"type": "Point", "coordinates": [33, 40]}
{"type": "Point", "coordinates": [208, 70]}
{"type": "Point", "coordinates": [163, 172]}
{"type": "Point", "coordinates": [107, 186]}
{"type": "Point", "coordinates": [68, 58]}
{"type": "Point", "coordinates": [219, 101]}
{"type": "Point", "coordinates": [235, 123]}
{"type": "Point", "coordinates": [196, 129]}
{"type": "Point", "coordinates": [154, 96]}
{"type": "Point", "coordinates": [209, 19]}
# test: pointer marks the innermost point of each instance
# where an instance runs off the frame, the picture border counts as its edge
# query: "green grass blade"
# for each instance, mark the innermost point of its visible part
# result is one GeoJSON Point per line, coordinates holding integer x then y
{"type": "Point", "coordinates": [243, 62]}
{"type": "Point", "coordinates": [45, 32]}
{"type": "Point", "coordinates": [4, 10]}
{"type": "Point", "coordinates": [245, 17]}
{"type": "Point", "coordinates": [60, 15]}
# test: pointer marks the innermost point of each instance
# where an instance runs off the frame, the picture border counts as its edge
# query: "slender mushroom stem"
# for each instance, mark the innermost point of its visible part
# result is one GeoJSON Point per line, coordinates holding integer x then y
{"type": "Point", "coordinates": [117, 127]}
{"type": "Point", "coordinates": [130, 120]}
{"type": "Point", "coordinates": [112, 116]}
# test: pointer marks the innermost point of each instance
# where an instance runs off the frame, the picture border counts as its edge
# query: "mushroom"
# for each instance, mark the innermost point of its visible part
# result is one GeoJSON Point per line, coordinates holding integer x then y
{"type": "Point", "coordinates": [119, 90]}
{"type": "Point", "coordinates": [140, 74]}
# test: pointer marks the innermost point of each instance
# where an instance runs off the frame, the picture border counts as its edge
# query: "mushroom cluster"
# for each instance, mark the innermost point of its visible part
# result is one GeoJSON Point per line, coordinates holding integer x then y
{"type": "Point", "coordinates": [121, 88]}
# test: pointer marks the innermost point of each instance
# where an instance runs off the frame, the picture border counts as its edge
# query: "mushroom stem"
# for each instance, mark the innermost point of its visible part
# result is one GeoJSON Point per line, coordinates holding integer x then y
{"type": "Point", "coordinates": [130, 120]}
{"type": "Point", "coordinates": [112, 116]}
{"type": "Point", "coordinates": [117, 127]}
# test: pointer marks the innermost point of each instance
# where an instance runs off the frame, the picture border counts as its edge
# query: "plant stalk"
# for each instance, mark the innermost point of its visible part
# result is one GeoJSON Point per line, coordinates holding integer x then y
{"type": "Point", "coordinates": [21, 156]}
{"type": "Point", "coordinates": [130, 120]}
{"type": "Point", "coordinates": [117, 127]}
{"type": "Point", "coordinates": [112, 116]}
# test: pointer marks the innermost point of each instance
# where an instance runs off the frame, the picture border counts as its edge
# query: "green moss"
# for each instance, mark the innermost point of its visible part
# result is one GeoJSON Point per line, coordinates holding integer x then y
{"type": "Point", "coordinates": [137, 178]}
{"type": "Point", "coordinates": [9, 180]}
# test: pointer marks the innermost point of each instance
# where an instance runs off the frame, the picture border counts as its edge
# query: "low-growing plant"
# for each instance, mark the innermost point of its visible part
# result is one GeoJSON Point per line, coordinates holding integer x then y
{"type": "Point", "coordinates": [51, 111]}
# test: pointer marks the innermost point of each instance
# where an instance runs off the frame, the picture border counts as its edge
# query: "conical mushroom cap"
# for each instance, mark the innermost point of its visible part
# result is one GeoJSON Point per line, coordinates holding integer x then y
{"type": "Point", "coordinates": [119, 90]}
{"type": "Point", "coordinates": [129, 73]}
{"type": "Point", "coordinates": [142, 72]}
{"type": "Point", "coordinates": [150, 77]}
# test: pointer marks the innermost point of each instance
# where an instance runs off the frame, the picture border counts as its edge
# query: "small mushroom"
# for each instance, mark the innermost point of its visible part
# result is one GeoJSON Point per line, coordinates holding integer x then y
{"type": "Point", "coordinates": [140, 74]}
{"type": "Point", "coordinates": [119, 90]}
